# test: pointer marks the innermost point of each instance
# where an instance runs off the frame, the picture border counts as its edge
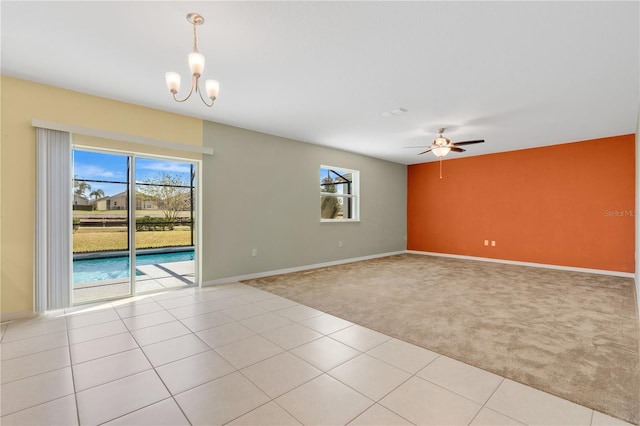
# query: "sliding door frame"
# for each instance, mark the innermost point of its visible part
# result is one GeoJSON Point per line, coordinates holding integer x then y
{"type": "Point", "coordinates": [132, 156]}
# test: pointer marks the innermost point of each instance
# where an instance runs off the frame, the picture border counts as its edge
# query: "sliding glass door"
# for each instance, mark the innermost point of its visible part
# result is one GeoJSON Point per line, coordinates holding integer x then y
{"type": "Point", "coordinates": [133, 225]}
{"type": "Point", "coordinates": [165, 232]}
{"type": "Point", "coordinates": [101, 233]}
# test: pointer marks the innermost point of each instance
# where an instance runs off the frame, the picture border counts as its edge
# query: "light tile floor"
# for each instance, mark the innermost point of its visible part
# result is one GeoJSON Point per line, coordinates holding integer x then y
{"type": "Point", "coordinates": [233, 354]}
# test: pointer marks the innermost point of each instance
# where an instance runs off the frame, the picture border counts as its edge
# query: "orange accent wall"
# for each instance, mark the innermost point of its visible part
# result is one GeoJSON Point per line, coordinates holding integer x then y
{"type": "Point", "coordinates": [570, 205]}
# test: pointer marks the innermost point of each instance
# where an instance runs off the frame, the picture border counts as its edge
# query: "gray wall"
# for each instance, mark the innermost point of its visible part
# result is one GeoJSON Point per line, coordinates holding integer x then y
{"type": "Point", "coordinates": [261, 191]}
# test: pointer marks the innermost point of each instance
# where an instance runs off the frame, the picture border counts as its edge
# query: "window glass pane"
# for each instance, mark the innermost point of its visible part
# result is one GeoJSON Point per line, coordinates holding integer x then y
{"type": "Point", "coordinates": [337, 207]}
{"type": "Point", "coordinates": [101, 266]}
{"type": "Point", "coordinates": [164, 203]}
{"type": "Point", "coordinates": [336, 180]}
{"type": "Point", "coordinates": [330, 207]}
{"type": "Point", "coordinates": [165, 239]}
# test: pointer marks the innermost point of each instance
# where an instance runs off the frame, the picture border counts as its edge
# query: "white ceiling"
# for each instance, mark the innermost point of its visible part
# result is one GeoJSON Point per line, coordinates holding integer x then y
{"type": "Point", "coordinates": [517, 74]}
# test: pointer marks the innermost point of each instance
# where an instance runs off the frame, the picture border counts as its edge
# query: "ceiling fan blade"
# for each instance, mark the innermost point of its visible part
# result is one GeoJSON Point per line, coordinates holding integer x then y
{"type": "Point", "coordinates": [456, 149]}
{"type": "Point", "coordinates": [468, 142]}
{"type": "Point", "coordinates": [419, 146]}
{"type": "Point", "coordinates": [424, 152]}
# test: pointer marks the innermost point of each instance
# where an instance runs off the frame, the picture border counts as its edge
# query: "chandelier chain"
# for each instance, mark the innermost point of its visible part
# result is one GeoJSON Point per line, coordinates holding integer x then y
{"type": "Point", "coordinates": [195, 36]}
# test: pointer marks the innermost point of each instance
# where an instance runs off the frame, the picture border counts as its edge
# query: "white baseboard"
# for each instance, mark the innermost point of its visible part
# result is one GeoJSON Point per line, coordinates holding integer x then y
{"type": "Point", "coordinates": [296, 269]}
{"type": "Point", "coordinates": [535, 265]}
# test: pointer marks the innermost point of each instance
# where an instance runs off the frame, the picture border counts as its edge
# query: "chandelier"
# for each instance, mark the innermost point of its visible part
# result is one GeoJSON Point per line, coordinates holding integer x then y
{"type": "Point", "coordinates": [196, 64]}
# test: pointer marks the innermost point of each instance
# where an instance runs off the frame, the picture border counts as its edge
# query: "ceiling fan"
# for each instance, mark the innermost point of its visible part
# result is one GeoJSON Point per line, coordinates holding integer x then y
{"type": "Point", "coordinates": [441, 145]}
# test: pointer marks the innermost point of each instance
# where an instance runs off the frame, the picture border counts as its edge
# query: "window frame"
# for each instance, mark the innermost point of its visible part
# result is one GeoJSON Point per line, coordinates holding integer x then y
{"type": "Point", "coordinates": [354, 196]}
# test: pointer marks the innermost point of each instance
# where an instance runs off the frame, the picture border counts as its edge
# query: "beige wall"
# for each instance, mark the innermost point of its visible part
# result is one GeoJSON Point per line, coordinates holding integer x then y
{"type": "Point", "coordinates": [262, 191]}
{"type": "Point", "coordinates": [92, 142]}
{"type": "Point", "coordinates": [22, 101]}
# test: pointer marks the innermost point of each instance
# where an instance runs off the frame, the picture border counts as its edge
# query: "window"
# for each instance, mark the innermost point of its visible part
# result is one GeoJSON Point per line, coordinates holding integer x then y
{"type": "Point", "coordinates": [339, 194]}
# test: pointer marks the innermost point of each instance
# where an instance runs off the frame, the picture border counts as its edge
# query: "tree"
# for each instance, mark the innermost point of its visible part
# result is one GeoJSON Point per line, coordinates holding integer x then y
{"type": "Point", "coordinates": [170, 192]}
{"type": "Point", "coordinates": [95, 194]}
{"type": "Point", "coordinates": [80, 186]}
{"type": "Point", "coordinates": [330, 206]}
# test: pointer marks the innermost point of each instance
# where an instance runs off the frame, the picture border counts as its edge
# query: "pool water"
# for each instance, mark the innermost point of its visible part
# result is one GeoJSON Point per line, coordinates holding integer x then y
{"type": "Point", "coordinates": [112, 268]}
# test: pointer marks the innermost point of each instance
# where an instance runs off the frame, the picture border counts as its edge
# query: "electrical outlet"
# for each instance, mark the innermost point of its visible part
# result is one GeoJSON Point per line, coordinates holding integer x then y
{"type": "Point", "coordinates": [486, 242]}
{"type": "Point", "coordinates": [493, 243]}
{"type": "Point", "coordinates": [339, 243]}
{"type": "Point", "coordinates": [254, 252]}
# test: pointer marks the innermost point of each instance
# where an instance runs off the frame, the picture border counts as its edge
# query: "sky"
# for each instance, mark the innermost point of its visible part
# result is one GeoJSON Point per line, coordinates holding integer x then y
{"type": "Point", "coordinates": [89, 165]}
{"type": "Point", "coordinates": [340, 189]}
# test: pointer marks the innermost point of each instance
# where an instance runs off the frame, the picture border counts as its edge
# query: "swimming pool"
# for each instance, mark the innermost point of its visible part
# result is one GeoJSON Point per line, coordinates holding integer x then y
{"type": "Point", "coordinates": [112, 268]}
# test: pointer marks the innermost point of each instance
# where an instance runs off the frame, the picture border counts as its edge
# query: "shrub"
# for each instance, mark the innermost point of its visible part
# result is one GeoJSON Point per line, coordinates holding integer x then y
{"type": "Point", "coordinates": [148, 223]}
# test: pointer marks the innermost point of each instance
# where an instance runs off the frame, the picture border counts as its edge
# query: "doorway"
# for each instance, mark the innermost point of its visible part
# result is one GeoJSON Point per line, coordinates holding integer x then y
{"type": "Point", "coordinates": [134, 224]}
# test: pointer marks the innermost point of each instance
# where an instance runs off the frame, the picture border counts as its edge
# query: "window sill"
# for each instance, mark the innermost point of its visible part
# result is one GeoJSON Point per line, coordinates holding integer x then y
{"type": "Point", "coordinates": [339, 220]}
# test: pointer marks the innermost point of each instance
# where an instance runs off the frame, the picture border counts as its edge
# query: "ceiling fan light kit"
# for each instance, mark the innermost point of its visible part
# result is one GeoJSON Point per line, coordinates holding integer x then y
{"type": "Point", "coordinates": [196, 65]}
{"type": "Point", "coordinates": [441, 151]}
{"type": "Point", "coordinates": [441, 146]}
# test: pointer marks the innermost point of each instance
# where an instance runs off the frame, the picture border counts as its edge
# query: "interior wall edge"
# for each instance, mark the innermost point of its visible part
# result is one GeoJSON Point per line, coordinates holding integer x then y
{"type": "Point", "coordinates": [637, 215]}
{"type": "Point", "coordinates": [532, 264]}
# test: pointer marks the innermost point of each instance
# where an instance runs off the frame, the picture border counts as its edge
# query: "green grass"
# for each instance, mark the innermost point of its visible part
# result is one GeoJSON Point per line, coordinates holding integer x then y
{"type": "Point", "coordinates": [106, 239]}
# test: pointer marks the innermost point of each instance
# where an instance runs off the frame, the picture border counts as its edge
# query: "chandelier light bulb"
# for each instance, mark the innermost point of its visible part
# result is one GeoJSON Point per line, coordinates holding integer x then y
{"type": "Point", "coordinates": [173, 81]}
{"type": "Point", "coordinates": [196, 63]}
{"type": "Point", "coordinates": [213, 88]}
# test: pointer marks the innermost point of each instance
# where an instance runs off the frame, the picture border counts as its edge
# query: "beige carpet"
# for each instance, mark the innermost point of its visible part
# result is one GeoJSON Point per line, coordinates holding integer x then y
{"type": "Point", "coordinates": [571, 334]}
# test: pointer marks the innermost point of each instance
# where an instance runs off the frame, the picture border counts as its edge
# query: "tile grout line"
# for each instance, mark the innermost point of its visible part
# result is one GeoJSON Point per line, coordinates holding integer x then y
{"type": "Point", "coordinates": [108, 355]}
{"type": "Point", "coordinates": [377, 402]}
{"type": "Point", "coordinates": [73, 381]}
{"type": "Point", "coordinates": [487, 400]}
{"type": "Point", "coordinates": [38, 405]}
{"type": "Point", "coordinates": [129, 375]}
{"type": "Point", "coordinates": [411, 375]}
{"type": "Point", "coordinates": [416, 375]}
{"type": "Point", "coordinates": [171, 396]}
{"type": "Point", "coordinates": [333, 368]}
{"type": "Point", "coordinates": [210, 349]}
{"type": "Point", "coordinates": [262, 405]}
{"type": "Point", "coordinates": [37, 374]}
{"type": "Point", "coordinates": [70, 365]}
{"type": "Point", "coordinates": [38, 351]}
{"type": "Point", "coordinates": [285, 350]}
